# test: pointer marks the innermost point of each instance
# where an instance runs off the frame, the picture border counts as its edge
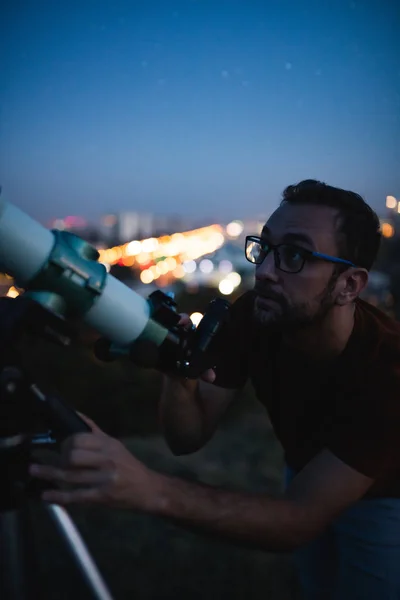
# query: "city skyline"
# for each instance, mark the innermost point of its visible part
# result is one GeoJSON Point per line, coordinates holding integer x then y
{"type": "Point", "coordinates": [196, 108]}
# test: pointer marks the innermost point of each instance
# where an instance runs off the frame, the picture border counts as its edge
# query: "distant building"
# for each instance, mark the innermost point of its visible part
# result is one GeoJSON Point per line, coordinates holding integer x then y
{"type": "Point", "coordinates": [123, 227]}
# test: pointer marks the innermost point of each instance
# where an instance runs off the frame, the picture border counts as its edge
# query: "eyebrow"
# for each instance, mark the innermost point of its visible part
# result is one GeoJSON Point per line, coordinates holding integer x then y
{"type": "Point", "coordinates": [292, 236]}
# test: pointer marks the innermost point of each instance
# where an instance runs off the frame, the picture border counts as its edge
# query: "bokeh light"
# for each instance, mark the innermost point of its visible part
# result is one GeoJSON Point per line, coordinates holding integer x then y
{"type": "Point", "coordinates": [196, 317]}
{"type": "Point", "coordinates": [226, 287]}
{"type": "Point", "coordinates": [234, 229]}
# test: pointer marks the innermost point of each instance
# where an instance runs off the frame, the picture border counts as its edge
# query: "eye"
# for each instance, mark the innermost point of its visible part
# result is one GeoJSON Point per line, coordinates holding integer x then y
{"type": "Point", "coordinates": [291, 257]}
{"type": "Point", "coordinates": [292, 252]}
{"type": "Point", "coordinates": [295, 254]}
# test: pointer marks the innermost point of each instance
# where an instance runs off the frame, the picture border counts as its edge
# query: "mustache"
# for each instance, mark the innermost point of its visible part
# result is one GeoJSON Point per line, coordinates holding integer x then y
{"type": "Point", "coordinates": [266, 292]}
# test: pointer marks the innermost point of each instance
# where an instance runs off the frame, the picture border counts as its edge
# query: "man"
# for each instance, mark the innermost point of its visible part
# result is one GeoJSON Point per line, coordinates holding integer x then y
{"type": "Point", "coordinates": [327, 367]}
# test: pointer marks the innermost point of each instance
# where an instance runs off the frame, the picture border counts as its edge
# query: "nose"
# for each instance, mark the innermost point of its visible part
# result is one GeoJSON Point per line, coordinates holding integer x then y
{"type": "Point", "coordinates": [266, 271]}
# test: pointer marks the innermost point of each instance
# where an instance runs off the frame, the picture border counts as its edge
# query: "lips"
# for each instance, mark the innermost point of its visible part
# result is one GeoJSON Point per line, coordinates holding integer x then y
{"type": "Point", "coordinates": [264, 301]}
{"type": "Point", "coordinates": [267, 296]}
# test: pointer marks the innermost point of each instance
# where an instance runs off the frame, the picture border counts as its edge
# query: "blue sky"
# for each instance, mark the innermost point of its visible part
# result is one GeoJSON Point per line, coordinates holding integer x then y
{"type": "Point", "coordinates": [206, 108]}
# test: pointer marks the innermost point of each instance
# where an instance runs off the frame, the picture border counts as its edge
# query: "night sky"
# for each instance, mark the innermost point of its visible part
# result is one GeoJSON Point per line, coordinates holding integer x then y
{"type": "Point", "coordinates": [205, 108]}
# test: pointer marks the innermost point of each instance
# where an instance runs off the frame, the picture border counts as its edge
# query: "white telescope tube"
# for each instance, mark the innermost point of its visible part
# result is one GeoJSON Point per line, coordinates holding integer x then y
{"type": "Point", "coordinates": [24, 244]}
{"type": "Point", "coordinates": [118, 313]}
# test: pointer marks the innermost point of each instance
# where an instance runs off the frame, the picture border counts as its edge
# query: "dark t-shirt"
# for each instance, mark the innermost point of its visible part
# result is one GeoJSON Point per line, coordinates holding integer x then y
{"type": "Point", "coordinates": [350, 405]}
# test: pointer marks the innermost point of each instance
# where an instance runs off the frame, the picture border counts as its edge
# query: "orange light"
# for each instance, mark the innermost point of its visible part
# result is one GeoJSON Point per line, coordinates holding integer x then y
{"type": "Point", "coordinates": [12, 292]}
{"type": "Point", "coordinates": [387, 230]}
{"type": "Point", "coordinates": [128, 261]}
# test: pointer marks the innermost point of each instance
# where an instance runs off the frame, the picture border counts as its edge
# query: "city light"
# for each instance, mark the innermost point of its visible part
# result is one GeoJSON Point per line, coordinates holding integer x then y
{"type": "Point", "coordinates": [149, 245]}
{"type": "Point", "coordinates": [206, 266]}
{"type": "Point", "coordinates": [226, 287]}
{"type": "Point", "coordinates": [171, 262]}
{"type": "Point", "coordinates": [234, 278]}
{"type": "Point", "coordinates": [387, 230]}
{"type": "Point", "coordinates": [225, 266]}
{"type": "Point", "coordinates": [179, 272]}
{"type": "Point", "coordinates": [234, 229]}
{"type": "Point", "coordinates": [391, 202]}
{"type": "Point", "coordinates": [174, 255]}
{"type": "Point", "coordinates": [189, 266]}
{"type": "Point", "coordinates": [146, 276]}
{"type": "Point", "coordinates": [133, 248]}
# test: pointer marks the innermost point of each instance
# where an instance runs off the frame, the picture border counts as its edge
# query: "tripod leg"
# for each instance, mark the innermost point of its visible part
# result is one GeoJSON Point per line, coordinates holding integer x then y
{"type": "Point", "coordinates": [18, 579]}
{"type": "Point", "coordinates": [79, 551]}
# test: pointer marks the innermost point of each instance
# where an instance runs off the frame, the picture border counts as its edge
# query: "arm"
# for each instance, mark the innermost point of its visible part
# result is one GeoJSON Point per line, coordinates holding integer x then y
{"type": "Point", "coordinates": [319, 493]}
{"type": "Point", "coordinates": [102, 471]}
{"type": "Point", "coordinates": [189, 412]}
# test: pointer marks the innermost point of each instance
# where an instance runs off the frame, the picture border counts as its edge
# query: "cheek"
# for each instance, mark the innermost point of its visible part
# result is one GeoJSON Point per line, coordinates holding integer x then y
{"type": "Point", "coordinates": [307, 285]}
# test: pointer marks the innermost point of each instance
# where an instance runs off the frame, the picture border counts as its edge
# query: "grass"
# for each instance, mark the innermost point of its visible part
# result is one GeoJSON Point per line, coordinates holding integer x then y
{"type": "Point", "coordinates": [140, 556]}
{"type": "Point", "coordinates": [149, 558]}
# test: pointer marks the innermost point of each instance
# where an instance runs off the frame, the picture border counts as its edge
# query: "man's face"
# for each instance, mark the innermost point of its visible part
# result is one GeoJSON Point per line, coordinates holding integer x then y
{"type": "Point", "coordinates": [293, 300]}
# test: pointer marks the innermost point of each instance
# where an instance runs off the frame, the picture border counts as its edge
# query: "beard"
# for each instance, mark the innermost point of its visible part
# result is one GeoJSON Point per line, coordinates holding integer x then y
{"type": "Point", "coordinates": [276, 312]}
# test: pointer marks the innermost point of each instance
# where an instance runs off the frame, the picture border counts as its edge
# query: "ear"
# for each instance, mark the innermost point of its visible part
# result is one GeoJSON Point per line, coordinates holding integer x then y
{"type": "Point", "coordinates": [350, 285]}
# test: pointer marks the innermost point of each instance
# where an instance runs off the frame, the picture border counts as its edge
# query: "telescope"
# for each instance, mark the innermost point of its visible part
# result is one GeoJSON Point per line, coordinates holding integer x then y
{"type": "Point", "coordinates": [61, 272]}
{"type": "Point", "coordinates": [62, 281]}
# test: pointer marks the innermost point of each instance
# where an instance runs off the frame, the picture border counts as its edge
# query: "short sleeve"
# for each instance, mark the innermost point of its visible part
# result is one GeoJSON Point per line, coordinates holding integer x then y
{"type": "Point", "coordinates": [232, 346]}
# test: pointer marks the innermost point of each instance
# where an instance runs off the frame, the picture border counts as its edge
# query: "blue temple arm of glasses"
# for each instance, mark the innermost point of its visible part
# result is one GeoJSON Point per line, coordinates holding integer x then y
{"type": "Point", "coordinates": [333, 259]}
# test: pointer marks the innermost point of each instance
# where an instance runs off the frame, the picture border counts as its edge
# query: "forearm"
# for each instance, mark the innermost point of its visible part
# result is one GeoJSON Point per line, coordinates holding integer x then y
{"type": "Point", "coordinates": [256, 520]}
{"type": "Point", "coordinates": [181, 415]}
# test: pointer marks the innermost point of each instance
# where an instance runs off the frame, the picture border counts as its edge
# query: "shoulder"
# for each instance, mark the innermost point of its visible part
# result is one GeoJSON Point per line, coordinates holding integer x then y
{"type": "Point", "coordinates": [364, 432]}
{"type": "Point", "coordinates": [369, 370]}
{"type": "Point", "coordinates": [376, 337]}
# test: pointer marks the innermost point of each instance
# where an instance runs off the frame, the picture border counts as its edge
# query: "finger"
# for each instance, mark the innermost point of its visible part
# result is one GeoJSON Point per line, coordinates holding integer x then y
{"type": "Point", "coordinates": [209, 375]}
{"type": "Point", "coordinates": [185, 321]}
{"type": "Point", "coordinates": [83, 441]}
{"type": "Point", "coordinates": [46, 472]}
{"type": "Point", "coordinates": [85, 458]}
{"type": "Point", "coordinates": [73, 476]}
{"type": "Point", "coordinates": [81, 496]}
{"type": "Point", "coordinates": [89, 422]}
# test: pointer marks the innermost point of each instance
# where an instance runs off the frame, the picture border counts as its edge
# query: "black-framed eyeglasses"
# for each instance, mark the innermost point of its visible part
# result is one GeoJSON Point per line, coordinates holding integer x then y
{"type": "Point", "coordinates": [288, 257]}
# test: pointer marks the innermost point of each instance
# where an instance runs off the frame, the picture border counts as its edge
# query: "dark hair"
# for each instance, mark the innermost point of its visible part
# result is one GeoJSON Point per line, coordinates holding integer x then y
{"type": "Point", "coordinates": [359, 234]}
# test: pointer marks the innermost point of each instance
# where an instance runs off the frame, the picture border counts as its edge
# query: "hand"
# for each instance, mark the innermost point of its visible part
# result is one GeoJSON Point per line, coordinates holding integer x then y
{"type": "Point", "coordinates": [97, 468]}
{"type": "Point", "coordinates": [209, 375]}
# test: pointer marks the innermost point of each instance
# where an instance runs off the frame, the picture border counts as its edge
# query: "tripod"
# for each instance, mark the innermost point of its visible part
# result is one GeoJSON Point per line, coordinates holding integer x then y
{"type": "Point", "coordinates": [22, 407]}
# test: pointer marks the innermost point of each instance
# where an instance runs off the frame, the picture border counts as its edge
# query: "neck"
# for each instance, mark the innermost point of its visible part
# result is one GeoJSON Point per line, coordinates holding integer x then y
{"type": "Point", "coordinates": [327, 338]}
